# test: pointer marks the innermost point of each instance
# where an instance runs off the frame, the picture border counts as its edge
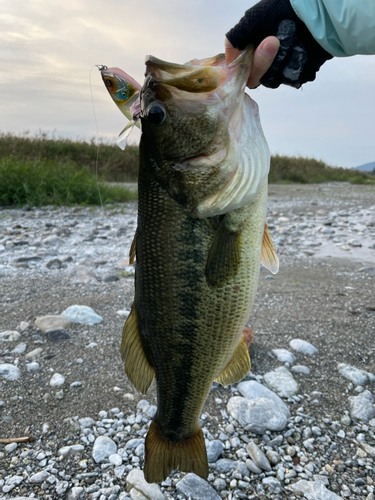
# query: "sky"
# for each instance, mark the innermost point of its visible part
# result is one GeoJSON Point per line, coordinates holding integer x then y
{"type": "Point", "coordinates": [48, 47]}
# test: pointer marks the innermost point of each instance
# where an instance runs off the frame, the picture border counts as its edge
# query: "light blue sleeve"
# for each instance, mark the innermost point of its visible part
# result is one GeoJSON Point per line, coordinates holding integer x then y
{"type": "Point", "coordinates": [341, 27]}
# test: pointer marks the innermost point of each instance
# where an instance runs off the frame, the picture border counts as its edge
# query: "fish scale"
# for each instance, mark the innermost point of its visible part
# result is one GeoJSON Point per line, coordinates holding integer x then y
{"type": "Point", "coordinates": [201, 235]}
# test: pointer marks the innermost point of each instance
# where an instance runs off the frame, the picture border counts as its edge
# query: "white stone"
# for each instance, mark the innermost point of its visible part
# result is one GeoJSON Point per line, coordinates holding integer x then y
{"type": "Point", "coordinates": [115, 459]}
{"type": "Point", "coordinates": [9, 448]}
{"type": "Point", "coordinates": [261, 414]}
{"type": "Point", "coordinates": [34, 353]}
{"type": "Point", "coordinates": [284, 356]}
{"type": "Point", "coordinates": [67, 451]}
{"type": "Point", "coordinates": [9, 372]}
{"type": "Point", "coordinates": [57, 380]}
{"type": "Point", "coordinates": [136, 479]}
{"type": "Point", "coordinates": [314, 490]}
{"type": "Point", "coordinates": [20, 348]}
{"type": "Point", "coordinates": [32, 367]}
{"type": "Point", "coordinates": [9, 336]}
{"type": "Point", "coordinates": [281, 381]}
{"type": "Point", "coordinates": [358, 377]}
{"type": "Point", "coordinates": [362, 407]}
{"type": "Point", "coordinates": [103, 448]}
{"type": "Point", "coordinates": [254, 390]}
{"type": "Point", "coordinates": [258, 457]}
{"type": "Point", "coordinates": [39, 477]}
{"type": "Point", "coordinates": [52, 322]}
{"type": "Point", "coordinates": [303, 346]}
{"type": "Point", "coordinates": [82, 314]}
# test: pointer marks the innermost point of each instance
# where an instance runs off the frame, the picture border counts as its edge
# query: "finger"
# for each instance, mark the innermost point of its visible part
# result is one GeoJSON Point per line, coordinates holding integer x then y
{"type": "Point", "coordinates": [263, 59]}
{"type": "Point", "coordinates": [231, 53]}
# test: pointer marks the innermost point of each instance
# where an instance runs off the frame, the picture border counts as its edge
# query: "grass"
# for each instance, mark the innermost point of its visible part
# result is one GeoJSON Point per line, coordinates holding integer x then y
{"type": "Point", "coordinates": [308, 170]}
{"type": "Point", "coordinates": [114, 165]}
{"type": "Point", "coordinates": [44, 170]}
{"type": "Point", "coordinates": [49, 182]}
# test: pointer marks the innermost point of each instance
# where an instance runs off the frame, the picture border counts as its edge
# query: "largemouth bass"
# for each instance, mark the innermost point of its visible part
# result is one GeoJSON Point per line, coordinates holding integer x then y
{"type": "Point", "coordinates": [202, 197]}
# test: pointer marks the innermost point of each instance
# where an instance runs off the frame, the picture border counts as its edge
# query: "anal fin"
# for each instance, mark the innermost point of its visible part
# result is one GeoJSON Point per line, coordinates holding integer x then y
{"type": "Point", "coordinates": [269, 257]}
{"type": "Point", "coordinates": [162, 456]}
{"type": "Point", "coordinates": [237, 368]}
{"type": "Point", "coordinates": [137, 367]}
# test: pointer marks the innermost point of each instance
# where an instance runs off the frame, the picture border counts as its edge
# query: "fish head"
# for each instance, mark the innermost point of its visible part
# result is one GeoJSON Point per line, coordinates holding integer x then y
{"type": "Point", "coordinates": [123, 89]}
{"type": "Point", "coordinates": [193, 118]}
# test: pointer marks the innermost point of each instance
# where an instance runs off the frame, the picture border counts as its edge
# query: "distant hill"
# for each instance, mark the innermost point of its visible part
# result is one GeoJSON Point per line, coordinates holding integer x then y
{"type": "Point", "coordinates": [367, 167]}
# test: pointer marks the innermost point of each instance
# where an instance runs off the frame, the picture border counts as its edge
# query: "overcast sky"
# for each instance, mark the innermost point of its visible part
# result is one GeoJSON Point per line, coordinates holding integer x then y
{"type": "Point", "coordinates": [47, 48]}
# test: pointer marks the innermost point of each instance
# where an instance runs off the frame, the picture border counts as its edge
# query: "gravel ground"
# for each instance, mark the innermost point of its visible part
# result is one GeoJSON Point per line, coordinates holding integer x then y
{"type": "Point", "coordinates": [51, 259]}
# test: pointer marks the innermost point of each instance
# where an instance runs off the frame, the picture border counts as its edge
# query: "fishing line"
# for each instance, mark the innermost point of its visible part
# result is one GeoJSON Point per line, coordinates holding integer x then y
{"type": "Point", "coordinates": [97, 140]}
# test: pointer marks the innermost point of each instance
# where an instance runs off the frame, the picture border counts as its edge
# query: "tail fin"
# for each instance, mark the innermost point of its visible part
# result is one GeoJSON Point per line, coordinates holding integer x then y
{"type": "Point", "coordinates": [163, 456]}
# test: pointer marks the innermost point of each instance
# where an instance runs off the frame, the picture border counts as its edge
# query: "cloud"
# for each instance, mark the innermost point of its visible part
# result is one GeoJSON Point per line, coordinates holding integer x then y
{"type": "Point", "coordinates": [48, 48]}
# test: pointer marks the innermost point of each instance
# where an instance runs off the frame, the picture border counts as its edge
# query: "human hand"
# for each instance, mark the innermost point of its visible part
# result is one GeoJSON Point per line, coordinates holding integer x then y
{"type": "Point", "coordinates": [299, 56]}
{"type": "Point", "coordinates": [264, 56]}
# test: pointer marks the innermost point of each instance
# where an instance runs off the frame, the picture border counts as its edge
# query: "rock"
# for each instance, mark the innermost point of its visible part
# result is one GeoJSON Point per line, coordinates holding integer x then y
{"type": "Point", "coordinates": [81, 274]}
{"type": "Point", "coordinates": [254, 468]}
{"type": "Point", "coordinates": [358, 377]}
{"type": "Point", "coordinates": [362, 407]}
{"type": "Point", "coordinates": [300, 369]}
{"type": "Point", "coordinates": [9, 448]}
{"type": "Point", "coordinates": [354, 243]}
{"type": "Point", "coordinates": [86, 423]}
{"type": "Point", "coordinates": [9, 372]}
{"type": "Point", "coordinates": [9, 336]}
{"type": "Point", "coordinates": [39, 477]}
{"type": "Point", "coordinates": [57, 335]}
{"type": "Point", "coordinates": [19, 349]}
{"type": "Point", "coordinates": [224, 465]}
{"type": "Point", "coordinates": [214, 450]}
{"type": "Point", "coordinates": [119, 471]}
{"type": "Point", "coordinates": [77, 383]}
{"type": "Point", "coordinates": [57, 380]}
{"type": "Point", "coordinates": [136, 479]}
{"type": "Point", "coordinates": [75, 493]}
{"type": "Point", "coordinates": [109, 278]}
{"type": "Point", "coordinates": [314, 490]}
{"type": "Point", "coordinates": [303, 347]}
{"type": "Point", "coordinates": [196, 488]}
{"type": "Point", "coordinates": [103, 447]}
{"type": "Point", "coordinates": [54, 264]}
{"type": "Point", "coordinates": [53, 240]}
{"type": "Point", "coordinates": [284, 356]}
{"type": "Point", "coordinates": [24, 325]}
{"type": "Point", "coordinates": [82, 314]}
{"type": "Point", "coordinates": [32, 367]}
{"type": "Point", "coordinates": [272, 482]}
{"type": "Point", "coordinates": [34, 353]}
{"type": "Point", "coordinates": [46, 323]}
{"type": "Point", "coordinates": [254, 390]}
{"type": "Point", "coordinates": [258, 457]}
{"type": "Point", "coordinates": [261, 414]}
{"type": "Point", "coordinates": [67, 451]}
{"type": "Point", "coordinates": [115, 459]}
{"type": "Point", "coordinates": [282, 381]}
{"type": "Point", "coordinates": [123, 312]}
{"type": "Point", "coordinates": [370, 450]}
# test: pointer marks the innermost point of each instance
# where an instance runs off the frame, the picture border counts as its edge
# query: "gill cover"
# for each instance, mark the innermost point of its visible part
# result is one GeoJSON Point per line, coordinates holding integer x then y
{"type": "Point", "coordinates": [237, 161]}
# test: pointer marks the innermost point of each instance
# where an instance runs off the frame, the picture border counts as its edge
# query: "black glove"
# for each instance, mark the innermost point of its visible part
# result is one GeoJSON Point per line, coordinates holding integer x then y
{"type": "Point", "coordinates": [299, 57]}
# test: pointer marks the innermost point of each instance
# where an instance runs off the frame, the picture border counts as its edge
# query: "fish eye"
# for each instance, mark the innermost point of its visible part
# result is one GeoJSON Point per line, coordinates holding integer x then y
{"type": "Point", "coordinates": [108, 83]}
{"type": "Point", "coordinates": [156, 114]}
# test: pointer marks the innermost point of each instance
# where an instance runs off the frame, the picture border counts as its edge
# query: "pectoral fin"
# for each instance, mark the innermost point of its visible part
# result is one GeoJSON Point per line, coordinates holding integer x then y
{"type": "Point", "coordinates": [137, 367]}
{"type": "Point", "coordinates": [269, 257]}
{"type": "Point", "coordinates": [224, 256]}
{"type": "Point", "coordinates": [133, 249]}
{"type": "Point", "coordinates": [237, 368]}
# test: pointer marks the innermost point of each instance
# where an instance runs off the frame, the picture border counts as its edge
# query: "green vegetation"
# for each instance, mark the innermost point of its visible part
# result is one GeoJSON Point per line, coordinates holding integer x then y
{"type": "Point", "coordinates": [49, 182]}
{"type": "Point", "coordinates": [47, 170]}
{"type": "Point", "coordinates": [308, 170]}
{"type": "Point", "coordinates": [114, 165]}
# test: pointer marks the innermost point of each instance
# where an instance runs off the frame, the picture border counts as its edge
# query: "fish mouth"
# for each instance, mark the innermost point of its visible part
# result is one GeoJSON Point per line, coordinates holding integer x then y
{"type": "Point", "coordinates": [199, 75]}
